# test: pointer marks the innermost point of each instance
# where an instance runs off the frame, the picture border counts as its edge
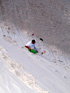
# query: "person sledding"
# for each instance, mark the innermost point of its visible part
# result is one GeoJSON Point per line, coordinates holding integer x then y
{"type": "Point", "coordinates": [31, 46]}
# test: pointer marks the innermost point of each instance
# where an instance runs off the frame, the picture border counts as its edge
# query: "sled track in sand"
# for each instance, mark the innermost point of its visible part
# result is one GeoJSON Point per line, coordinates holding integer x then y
{"type": "Point", "coordinates": [17, 70]}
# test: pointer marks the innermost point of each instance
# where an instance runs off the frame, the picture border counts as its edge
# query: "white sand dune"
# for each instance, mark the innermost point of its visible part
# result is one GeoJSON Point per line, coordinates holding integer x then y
{"type": "Point", "coordinates": [48, 19]}
{"type": "Point", "coordinates": [24, 72]}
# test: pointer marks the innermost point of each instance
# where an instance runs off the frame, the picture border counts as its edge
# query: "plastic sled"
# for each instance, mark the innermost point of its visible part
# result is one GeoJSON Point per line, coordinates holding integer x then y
{"type": "Point", "coordinates": [33, 51]}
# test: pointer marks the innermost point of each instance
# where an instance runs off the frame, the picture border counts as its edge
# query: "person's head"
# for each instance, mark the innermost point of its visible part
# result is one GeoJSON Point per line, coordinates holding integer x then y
{"type": "Point", "coordinates": [33, 41]}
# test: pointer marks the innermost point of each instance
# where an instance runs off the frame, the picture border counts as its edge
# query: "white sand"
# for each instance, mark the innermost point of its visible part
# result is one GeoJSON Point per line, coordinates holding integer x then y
{"type": "Point", "coordinates": [24, 72]}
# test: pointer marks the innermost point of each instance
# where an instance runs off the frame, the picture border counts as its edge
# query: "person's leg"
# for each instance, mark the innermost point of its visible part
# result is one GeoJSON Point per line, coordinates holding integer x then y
{"type": "Point", "coordinates": [35, 49]}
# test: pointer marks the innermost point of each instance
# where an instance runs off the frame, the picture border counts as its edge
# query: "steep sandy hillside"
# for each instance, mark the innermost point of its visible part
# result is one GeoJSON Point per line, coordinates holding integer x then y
{"type": "Point", "coordinates": [48, 19]}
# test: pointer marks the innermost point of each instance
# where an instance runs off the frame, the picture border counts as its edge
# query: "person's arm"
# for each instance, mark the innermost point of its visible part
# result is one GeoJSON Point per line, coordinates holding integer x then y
{"type": "Point", "coordinates": [28, 47]}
